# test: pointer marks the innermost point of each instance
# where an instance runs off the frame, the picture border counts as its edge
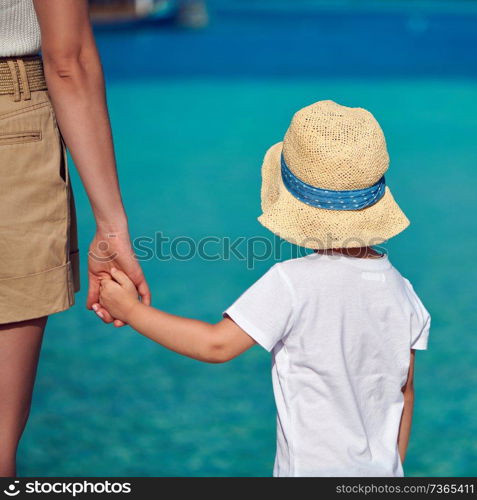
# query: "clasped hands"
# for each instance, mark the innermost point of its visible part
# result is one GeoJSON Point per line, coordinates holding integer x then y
{"type": "Point", "coordinates": [116, 280]}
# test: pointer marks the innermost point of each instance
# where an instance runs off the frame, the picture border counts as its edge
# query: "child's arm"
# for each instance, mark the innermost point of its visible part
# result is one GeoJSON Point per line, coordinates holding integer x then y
{"type": "Point", "coordinates": [406, 418]}
{"type": "Point", "coordinates": [193, 338]}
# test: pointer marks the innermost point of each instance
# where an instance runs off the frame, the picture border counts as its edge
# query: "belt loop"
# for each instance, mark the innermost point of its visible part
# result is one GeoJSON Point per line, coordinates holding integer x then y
{"type": "Point", "coordinates": [16, 84]}
{"type": "Point", "coordinates": [24, 80]}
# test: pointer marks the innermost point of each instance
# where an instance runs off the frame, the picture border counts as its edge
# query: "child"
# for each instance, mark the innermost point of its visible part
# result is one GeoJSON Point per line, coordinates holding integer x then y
{"type": "Point", "coordinates": [342, 323]}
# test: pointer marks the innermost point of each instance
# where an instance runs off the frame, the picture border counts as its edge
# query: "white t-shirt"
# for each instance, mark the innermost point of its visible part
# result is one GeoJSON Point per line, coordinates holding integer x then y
{"type": "Point", "coordinates": [341, 330]}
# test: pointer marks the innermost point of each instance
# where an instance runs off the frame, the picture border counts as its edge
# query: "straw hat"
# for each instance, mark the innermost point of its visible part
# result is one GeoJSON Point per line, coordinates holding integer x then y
{"type": "Point", "coordinates": [338, 149]}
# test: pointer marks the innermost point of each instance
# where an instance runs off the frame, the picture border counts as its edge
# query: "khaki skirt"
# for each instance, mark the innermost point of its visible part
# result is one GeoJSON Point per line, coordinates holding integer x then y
{"type": "Point", "coordinates": [39, 271]}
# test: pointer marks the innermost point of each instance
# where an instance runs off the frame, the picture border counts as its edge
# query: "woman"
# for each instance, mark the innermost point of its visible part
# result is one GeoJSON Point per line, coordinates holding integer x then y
{"type": "Point", "coordinates": [38, 249]}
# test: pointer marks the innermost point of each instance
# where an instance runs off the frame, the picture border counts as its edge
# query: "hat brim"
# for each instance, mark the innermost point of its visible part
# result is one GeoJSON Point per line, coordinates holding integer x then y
{"type": "Point", "coordinates": [317, 228]}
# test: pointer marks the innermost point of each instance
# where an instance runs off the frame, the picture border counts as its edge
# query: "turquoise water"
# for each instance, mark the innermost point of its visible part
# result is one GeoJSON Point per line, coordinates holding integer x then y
{"type": "Point", "coordinates": [110, 403]}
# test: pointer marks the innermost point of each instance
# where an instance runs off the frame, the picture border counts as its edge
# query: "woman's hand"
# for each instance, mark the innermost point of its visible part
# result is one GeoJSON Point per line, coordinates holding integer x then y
{"type": "Point", "coordinates": [110, 250]}
{"type": "Point", "coordinates": [119, 296]}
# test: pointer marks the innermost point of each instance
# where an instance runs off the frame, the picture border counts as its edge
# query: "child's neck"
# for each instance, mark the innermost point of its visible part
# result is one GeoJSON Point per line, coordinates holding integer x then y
{"type": "Point", "coordinates": [359, 252]}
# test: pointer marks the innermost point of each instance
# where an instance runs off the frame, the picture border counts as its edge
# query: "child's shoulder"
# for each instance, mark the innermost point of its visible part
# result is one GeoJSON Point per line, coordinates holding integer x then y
{"type": "Point", "coordinates": [301, 269]}
{"type": "Point", "coordinates": [296, 264]}
{"type": "Point", "coordinates": [334, 269]}
{"type": "Point", "coordinates": [311, 262]}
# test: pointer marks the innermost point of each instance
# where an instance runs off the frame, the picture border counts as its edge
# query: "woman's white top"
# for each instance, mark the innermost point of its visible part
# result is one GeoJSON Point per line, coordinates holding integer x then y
{"type": "Point", "coordinates": [19, 29]}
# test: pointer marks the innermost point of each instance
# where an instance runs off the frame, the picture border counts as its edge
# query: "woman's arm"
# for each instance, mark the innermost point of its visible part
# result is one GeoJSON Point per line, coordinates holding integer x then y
{"type": "Point", "coordinates": [76, 86]}
{"type": "Point", "coordinates": [406, 418]}
{"type": "Point", "coordinates": [212, 343]}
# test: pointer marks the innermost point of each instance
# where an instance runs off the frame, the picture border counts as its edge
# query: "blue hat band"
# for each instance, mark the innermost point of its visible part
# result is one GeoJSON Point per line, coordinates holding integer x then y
{"type": "Point", "coordinates": [330, 199]}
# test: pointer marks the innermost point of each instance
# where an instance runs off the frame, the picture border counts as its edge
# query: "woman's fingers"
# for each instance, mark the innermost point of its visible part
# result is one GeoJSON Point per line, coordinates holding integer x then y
{"type": "Point", "coordinates": [144, 292]}
{"type": "Point", "coordinates": [93, 293]}
{"type": "Point", "coordinates": [102, 313]}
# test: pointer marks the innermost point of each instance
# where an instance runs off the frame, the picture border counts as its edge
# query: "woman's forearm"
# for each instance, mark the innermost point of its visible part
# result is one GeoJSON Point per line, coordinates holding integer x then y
{"type": "Point", "coordinates": [76, 88]}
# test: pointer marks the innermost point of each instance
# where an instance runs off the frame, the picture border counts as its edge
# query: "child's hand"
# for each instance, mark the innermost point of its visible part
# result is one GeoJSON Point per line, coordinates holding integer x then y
{"type": "Point", "coordinates": [118, 295]}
